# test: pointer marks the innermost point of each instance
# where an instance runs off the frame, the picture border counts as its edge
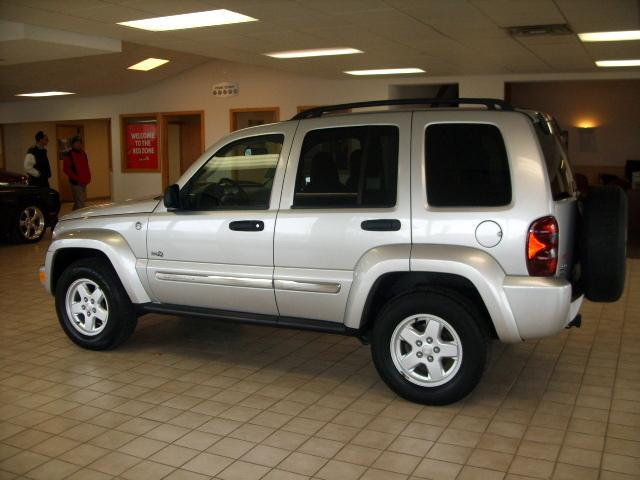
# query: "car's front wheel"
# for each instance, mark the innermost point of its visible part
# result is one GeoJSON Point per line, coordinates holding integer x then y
{"type": "Point", "coordinates": [429, 346]}
{"type": "Point", "coordinates": [30, 224]}
{"type": "Point", "coordinates": [93, 308]}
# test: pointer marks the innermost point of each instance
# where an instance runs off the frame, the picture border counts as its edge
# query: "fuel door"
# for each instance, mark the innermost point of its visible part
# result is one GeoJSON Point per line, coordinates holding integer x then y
{"type": "Point", "coordinates": [488, 234]}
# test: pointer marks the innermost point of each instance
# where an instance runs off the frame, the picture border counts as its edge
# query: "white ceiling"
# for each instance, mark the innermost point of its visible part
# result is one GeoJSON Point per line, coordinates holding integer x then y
{"type": "Point", "coordinates": [93, 75]}
{"type": "Point", "coordinates": [444, 37]}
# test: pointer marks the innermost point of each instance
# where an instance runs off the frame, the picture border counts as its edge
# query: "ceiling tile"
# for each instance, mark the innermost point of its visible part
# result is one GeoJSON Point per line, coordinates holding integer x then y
{"type": "Point", "coordinates": [507, 13]}
{"type": "Point", "coordinates": [337, 7]}
{"type": "Point", "coordinates": [600, 15]}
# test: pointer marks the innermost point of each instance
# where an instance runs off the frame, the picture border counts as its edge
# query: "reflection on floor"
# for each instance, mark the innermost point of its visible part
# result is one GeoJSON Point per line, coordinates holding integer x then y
{"type": "Point", "coordinates": [195, 399]}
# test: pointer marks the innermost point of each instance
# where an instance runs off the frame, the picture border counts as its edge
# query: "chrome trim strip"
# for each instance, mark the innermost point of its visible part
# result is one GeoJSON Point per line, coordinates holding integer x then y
{"type": "Point", "coordinates": [216, 280]}
{"type": "Point", "coordinates": [316, 287]}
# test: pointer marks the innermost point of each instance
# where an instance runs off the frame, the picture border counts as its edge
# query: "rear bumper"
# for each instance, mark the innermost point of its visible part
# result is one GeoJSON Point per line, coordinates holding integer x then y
{"type": "Point", "coordinates": [541, 306]}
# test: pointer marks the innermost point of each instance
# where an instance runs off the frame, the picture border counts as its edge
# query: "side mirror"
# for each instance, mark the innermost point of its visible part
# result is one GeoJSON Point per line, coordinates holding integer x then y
{"type": "Point", "coordinates": [172, 197]}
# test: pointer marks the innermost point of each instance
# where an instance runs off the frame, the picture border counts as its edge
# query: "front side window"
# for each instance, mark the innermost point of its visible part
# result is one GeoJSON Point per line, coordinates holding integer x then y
{"type": "Point", "coordinates": [348, 167]}
{"type": "Point", "coordinates": [239, 176]}
{"type": "Point", "coordinates": [466, 166]}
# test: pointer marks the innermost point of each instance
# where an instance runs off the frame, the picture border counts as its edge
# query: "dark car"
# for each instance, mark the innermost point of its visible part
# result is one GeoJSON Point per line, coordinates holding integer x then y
{"type": "Point", "coordinates": [12, 178]}
{"type": "Point", "coordinates": [25, 210]}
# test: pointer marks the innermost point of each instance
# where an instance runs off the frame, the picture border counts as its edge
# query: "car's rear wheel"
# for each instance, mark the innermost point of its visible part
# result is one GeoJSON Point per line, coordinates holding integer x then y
{"type": "Point", "coordinates": [429, 346]}
{"type": "Point", "coordinates": [603, 243]}
{"type": "Point", "coordinates": [30, 224]}
{"type": "Point", "coordinates": [93, 308]}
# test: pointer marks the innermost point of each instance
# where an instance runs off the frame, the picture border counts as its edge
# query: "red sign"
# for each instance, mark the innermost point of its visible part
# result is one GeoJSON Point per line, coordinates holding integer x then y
{"type": "Point", "coordinates": [142, 146]}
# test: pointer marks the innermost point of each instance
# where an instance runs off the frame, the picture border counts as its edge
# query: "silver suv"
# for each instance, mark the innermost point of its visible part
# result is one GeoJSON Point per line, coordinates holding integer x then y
{"type": "Point", "coordinates": [423, 231]}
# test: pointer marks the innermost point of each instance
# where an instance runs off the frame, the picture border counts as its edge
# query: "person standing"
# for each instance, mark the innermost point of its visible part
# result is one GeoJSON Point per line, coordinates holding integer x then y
{"type": "Point", "coordinates": [36, 163]}
{"type": "Point", "coordinates": [76, 166]}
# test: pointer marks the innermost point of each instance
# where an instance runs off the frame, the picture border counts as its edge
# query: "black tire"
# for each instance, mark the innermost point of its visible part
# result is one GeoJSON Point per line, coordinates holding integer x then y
{"type": "Point", "coordinates": [34, 231]}
{"type": "Point", "coordinates": [121, 320]}
{"type": "Point", "coordinates": [603, 243]}
{"type": "Point", "coordinates": [461, 315]}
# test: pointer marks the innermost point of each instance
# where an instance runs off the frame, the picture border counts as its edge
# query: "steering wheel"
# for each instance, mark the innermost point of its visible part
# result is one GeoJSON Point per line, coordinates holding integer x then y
{"type": "Point", "coordinates": [240, 192]}
{"type": "Point", "coordinates": [210, 196]}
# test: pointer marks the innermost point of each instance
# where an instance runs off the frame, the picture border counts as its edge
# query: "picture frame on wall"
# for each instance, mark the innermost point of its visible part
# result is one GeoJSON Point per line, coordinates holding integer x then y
{"type": "Point", "coordinates": [63, 148]}
{"type": "Point", "coordinates": [140, 143]}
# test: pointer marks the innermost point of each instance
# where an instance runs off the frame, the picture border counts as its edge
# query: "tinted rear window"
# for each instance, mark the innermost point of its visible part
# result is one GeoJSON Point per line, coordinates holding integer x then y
{"type": "Point", "coordinates": [560, 177]}
{"type": "Point", "coordinates": [466, 166]}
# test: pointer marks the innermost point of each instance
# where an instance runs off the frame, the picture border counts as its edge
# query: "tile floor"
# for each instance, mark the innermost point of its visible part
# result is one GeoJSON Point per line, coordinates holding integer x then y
{"type": "Point", "coordinates": [193, 399]}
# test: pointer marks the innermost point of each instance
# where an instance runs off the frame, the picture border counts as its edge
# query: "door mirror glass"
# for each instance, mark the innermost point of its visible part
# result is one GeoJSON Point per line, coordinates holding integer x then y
{"type": "Point", "coordinates": [172, 197]}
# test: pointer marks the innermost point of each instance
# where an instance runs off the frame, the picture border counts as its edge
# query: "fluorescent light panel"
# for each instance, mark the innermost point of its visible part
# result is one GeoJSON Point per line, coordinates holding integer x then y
{"type": "Point", "coordinates": [610, 36]}
{"type": "Point", "coordinates": [618, 63]}
{"type": "Point", "coordinates": [385, 71]}
{"type": "Point", "coordinates": [189, 20]}
{"type": "Point", "coordinates": [148, 64]}
{"type": "Point", "coordinates": [43, 94]}
{"type": "Point", "coordinates": [314, 52]}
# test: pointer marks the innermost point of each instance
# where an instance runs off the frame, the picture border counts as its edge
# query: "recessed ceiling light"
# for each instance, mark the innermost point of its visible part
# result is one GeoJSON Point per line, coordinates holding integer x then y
{"type": "Point", "coordinates": [43, 94]}
{"type": "Point", "coordinates": [148, 64]}
{"type": "Point", "coordinates": [189, 20]}
{"type": "Point", "coordinates": [313, 52]}
{"type": "Point", "coordinates": [610, 36]}
{"type": "Point", "coordinates": [385, 71]}
{"type": "Point", "coordinates": [618, 63]}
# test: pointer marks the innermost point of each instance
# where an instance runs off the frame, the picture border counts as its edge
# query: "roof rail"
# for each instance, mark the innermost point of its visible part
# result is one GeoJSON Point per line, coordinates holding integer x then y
{"type": "Point", "coordinates": [490, 103]}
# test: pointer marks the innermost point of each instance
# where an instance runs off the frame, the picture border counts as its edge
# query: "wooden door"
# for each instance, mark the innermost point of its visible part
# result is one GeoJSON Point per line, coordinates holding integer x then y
{"type": "Point", "coordinates": [63, 134]}
{"type": "Point", "coordinates": [182, 143]}
{"type": "Point", "coordinates": [191, 143]}
{"type": "Point", "coordinates": [250, 117]}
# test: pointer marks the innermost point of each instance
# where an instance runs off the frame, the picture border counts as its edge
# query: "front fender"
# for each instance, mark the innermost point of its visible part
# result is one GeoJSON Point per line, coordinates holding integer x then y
{"type": "Point", "coordinates": [111, 244]}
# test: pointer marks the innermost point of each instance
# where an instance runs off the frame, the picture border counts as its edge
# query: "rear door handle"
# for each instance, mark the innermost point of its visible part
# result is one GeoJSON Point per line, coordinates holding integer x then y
{"type": "Point", "coordinates": [247, 226]}
{"type": "Point", "coordinates": [382, 225]}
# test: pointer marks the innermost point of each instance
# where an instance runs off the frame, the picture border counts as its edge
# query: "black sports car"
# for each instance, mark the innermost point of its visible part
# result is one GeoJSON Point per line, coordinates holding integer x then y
{"type": "Point", "coordinates": [25, 210]}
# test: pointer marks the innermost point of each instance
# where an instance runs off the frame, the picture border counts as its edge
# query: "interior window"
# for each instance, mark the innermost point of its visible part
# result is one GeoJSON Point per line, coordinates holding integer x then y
{"type": "Point", "coordinates": [239, 176]}
{"type": "Point", "coordinates": [348, 167]}
{"type": "Point", "coordinates": [466, 166]}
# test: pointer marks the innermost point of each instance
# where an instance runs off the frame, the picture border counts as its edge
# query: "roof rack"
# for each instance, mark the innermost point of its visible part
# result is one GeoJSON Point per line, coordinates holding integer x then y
{"type": "Point", "coordinates": [490, 103]}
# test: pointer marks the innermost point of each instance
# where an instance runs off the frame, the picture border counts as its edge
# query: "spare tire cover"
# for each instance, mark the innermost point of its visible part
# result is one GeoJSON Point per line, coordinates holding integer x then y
{"type": "Point", "coordinates": [603, 243]}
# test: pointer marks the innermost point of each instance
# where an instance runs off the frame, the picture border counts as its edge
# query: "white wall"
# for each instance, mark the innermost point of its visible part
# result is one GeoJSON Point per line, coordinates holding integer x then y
{"type": "Point", "coordinates": [259, 87]}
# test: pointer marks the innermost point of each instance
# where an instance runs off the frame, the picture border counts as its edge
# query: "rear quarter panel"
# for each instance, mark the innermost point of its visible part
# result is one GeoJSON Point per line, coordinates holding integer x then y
{"type": "Point", "coordinates": [457, 226]}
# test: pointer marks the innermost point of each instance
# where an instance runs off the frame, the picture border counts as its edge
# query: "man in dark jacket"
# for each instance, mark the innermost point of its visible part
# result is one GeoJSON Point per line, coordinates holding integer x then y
{"type": "Point", "coordinates": [76, 166]}
{"type": "Point", "coordinates": [36, 163]}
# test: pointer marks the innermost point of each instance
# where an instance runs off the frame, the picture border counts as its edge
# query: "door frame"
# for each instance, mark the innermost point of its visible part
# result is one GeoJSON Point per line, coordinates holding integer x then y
{"type": "Point", "coordinates": [165, 118]}
{"type": "Point", "coordinates": [233, 121]}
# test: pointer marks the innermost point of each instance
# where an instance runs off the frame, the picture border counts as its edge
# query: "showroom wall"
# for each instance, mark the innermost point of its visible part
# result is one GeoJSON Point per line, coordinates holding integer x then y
{"type": "Point", "coordinates": [259, 87]}
{"type": "Point", "coordinates": [601, 118]}
{"type": "Point", "coordinates": [20, 136]}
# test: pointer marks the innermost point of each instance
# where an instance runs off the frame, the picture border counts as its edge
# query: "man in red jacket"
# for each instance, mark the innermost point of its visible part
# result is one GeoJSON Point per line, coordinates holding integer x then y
{"type": "Point", "coordinates": [76, 166]}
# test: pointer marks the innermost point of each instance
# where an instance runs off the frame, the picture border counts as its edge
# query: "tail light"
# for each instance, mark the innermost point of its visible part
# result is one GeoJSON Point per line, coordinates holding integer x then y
{"type": "Point", "coordinates": [542, 247]}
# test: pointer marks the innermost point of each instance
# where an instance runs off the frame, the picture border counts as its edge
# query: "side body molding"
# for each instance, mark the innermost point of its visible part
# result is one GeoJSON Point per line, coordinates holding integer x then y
{"type": "Point", "coordinates": [481, 270]}
{"type": "Point", "coordinates": [110, 243]}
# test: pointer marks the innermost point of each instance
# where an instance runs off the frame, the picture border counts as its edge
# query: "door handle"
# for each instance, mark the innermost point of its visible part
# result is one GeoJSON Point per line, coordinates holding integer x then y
{"type": "Point", "coordinates": [382, 225]}
{"type": "Point", "coordinates": [247, 226]}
